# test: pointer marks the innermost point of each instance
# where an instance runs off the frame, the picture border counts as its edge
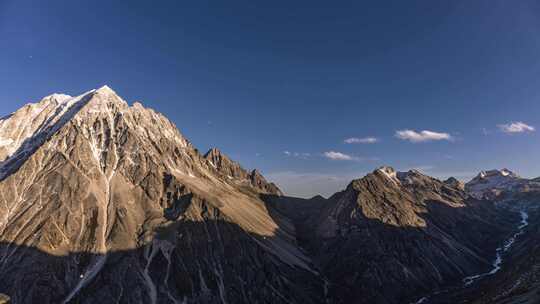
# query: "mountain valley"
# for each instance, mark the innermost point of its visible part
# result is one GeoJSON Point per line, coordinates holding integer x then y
{"type": "Point", "coordinates": [103, 202]}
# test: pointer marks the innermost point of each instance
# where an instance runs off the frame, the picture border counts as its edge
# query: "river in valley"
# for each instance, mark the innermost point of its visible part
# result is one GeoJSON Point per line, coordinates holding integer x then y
{"type": "Point", "coordinates": [501, 250]}
{"type": "Point", "coordinates": [499, 255]}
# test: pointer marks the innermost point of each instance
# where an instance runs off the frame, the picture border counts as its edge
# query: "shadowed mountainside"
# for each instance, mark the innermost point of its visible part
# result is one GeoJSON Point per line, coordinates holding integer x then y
{"type": "Point", "coordinates": [98, 183]}
{"type": "Point", "coordinates": [393, 237]}
{"type": "Point", "coordinates": [102, 202]}
{"type": "Point", "coordinates": [213, 261]}
{"type": "Point", "coordinates": [203, 261]}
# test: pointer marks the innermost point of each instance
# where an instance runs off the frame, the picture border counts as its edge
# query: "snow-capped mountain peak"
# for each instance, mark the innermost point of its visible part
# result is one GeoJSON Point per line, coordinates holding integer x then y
{"type": "Point", "coordinates": [58, 97]}
{"type": "Point", "coordinates": [506, 172]}
{"type": "Point", "coordinates": [493, 181]}
{"type": "Point", "coordinates": [494, 173]}
{"type": "Point", "coordinates": [17, 129]}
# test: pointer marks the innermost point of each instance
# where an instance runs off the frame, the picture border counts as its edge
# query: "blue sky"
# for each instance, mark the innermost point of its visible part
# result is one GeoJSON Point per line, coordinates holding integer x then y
{"type": "Point", "coordinates": [280, 85]}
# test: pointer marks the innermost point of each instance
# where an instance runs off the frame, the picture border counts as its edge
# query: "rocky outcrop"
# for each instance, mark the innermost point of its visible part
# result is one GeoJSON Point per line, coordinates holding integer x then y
{"type": "Point", "coordinates": [259, 182]}
{"type": "Point", "coordinates": [455, 183]}
{"type": "Point", "coordinates": [233, 171]}
{"type": "Point", "coordinates": [225, 165]}
{"type": "Point", "coordinates": [102, 202]}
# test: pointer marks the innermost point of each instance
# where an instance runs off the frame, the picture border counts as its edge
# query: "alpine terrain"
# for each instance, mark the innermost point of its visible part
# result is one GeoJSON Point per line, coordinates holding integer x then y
{"type": "Point", "coordinates": [103, 202]}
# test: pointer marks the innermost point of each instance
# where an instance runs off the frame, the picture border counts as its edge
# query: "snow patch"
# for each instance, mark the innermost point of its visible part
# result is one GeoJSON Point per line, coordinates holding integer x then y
{"type": "Point", "coordinates": [21, 135]}
{"type": "Point", "coordinates": [422, 300]}
{"type": "Point", "coordinates": [390, 174]}
{"type": "Point", "coordinates": [5, 142]}
{"type": "Point", "coordinates": [61, 98]}
{"type": "Point", "coordinates": [87, 277]}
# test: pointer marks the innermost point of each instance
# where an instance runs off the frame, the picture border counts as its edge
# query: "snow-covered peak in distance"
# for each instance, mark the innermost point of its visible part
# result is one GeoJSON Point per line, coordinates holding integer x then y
{"type": "Point", "coordinates": [493, 173]}
{"type": "Point", "coordinates": [493, 180]}
{"type": "Point", "coordinates": [506, 172]}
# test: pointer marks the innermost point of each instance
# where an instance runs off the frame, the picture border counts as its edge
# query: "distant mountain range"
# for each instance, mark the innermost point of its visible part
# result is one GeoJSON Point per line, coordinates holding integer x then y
{"type": "Point", "coordinates": [103, 202]}
{"type": "Point", "coordinates": [495, 182]}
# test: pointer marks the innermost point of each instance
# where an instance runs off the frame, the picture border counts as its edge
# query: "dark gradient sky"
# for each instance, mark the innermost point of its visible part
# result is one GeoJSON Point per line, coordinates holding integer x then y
{"type": "Point", "coordinates": [258, 79]}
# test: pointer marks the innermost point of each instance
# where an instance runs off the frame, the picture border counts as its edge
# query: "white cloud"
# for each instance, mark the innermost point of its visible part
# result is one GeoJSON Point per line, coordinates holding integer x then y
{"type": "Point", "coordinates": [302, 155]}
{"type": "Point", "coordinates": [338, 156]}
{"type": "Point", "coordinates": [334, 155]}
{"type": "Point", "coordinates": [516, 127]}
{"type": "Point", "coordinates": [422, 136]}
{"type": "Point", "coordinates": [365, 140]}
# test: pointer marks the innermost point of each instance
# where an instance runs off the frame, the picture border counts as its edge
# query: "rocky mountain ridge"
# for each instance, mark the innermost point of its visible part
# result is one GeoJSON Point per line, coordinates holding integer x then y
{"type": "Point", "coordinates": [103, 202]}
{"type": "Point", "coordinates": [102, 197]}
{"type": "Point", "coordinates": [234, 171]}
{"type": "Point", "coordinates": [405, 230]}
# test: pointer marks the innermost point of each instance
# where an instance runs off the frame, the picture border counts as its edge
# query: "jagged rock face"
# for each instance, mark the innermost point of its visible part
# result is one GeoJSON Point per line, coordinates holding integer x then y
{"type": "Point", "coordinates": [101, 202]}
{"type": "Point", "coordinates": [455, 183]}
{"type": "Point", "coordinates": [225, 165]}
{"type": "Point", "coordinates": [259, 182]}
{"type": "Point", "coordinates": [233, 171]}
{"type": "Point", "coordinates": [29, 120]}
{"type": "Point", "coordinates": [391, 236]}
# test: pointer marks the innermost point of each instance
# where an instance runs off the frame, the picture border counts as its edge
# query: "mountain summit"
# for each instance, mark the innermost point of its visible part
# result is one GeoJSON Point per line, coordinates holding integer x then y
{"type": "Point", "coordinates": [388, 228]}
{"type": "Point", "coordinates": [99, 197]}
{"type": "Point", "coordinates": [404, 237]}
{"type": "Point", "coordinates": [493, 183]}
{"type": "Point", "coordinates": [103, 202]}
